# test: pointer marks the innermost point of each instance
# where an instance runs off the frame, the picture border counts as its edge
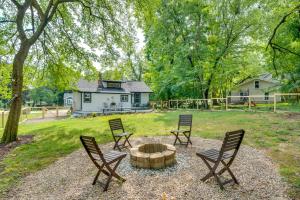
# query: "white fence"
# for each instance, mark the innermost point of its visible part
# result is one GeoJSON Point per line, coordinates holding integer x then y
{"type": "Point", "coordinates": [32, 113]}
{"type": "Point", "coordinates": [289, 102]}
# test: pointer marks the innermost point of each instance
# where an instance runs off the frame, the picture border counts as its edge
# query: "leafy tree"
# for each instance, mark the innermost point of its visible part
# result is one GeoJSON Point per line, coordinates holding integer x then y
{"type": "Point", "coordinates": [200, 48]}
{"type": "Point", "coordinates": [58, 37]}
{"type": "Point", "coordinates": [42, 94]}
{"type": "Point", "coordinates": [284, 46]}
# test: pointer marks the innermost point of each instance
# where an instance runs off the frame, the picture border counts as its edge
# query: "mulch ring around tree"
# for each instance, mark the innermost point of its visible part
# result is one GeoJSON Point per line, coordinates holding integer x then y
{"type": "Point", "coordinates": [71, 177]}
{"type": "Point", "coordinates": [6, 148]}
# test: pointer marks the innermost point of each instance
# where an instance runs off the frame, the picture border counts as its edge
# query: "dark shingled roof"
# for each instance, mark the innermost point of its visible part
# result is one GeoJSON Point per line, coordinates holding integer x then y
{"type": "Point", "coordinates": [127, 87]}
{"type": "Point", "coordinates": [136, 86]}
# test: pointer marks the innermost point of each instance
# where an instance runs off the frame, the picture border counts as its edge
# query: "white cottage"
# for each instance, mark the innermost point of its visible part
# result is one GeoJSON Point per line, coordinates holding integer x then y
{"type": "Point", "coordinates": [108, 95]}
{"type": "Point", "coordinates": [262, 87]}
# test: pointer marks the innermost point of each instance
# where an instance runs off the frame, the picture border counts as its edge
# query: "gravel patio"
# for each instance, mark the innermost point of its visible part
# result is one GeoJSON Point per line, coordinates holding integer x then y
{"type": "Point", "coordinates": [71, 177]}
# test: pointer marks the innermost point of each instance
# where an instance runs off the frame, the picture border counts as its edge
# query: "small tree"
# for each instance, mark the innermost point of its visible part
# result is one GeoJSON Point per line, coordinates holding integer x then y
{"type": "Point", "coordinates": [58, 37]}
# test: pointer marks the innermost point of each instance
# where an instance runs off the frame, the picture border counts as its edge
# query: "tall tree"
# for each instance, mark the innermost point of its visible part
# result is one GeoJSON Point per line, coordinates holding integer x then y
{"type": "Point", "coordinates": [197, 48]}
{"type": "Point", "coordinates": [57, 36]}
{"type": "Point", "coordinates": [284, 47]}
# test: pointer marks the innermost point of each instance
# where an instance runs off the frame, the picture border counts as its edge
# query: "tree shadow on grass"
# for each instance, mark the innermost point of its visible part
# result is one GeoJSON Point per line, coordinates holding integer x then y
{"type": "Point", "coordinates": [49, 144]}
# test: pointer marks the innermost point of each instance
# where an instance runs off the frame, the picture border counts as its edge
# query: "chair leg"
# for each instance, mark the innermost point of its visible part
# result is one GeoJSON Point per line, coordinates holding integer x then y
{"type": "Point", "coordinates": [176, 138]}
{"type": "Point", "coordinates": [127, 140]}
{"type": "Point", "coordinates": [230, 172]}
{"type": "Point", "coordinates": [212, 173]}
{"type": "Point", "coordinates": [188, 139]}
{"type": "Point", "coordinates": [107, 183]}
{"type": "Point", "coordinates": [117, 143]}
{"type": "Point", "coordinates": [96, 177]}
{"type": "Point", "coordinates": [114, 173]}
{"type": "Point", "coordinates": [98, 173]}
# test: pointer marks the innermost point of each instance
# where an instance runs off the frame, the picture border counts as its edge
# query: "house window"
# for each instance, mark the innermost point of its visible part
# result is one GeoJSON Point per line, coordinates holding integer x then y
{"type": "Point", "coordinates": [267, 96]}
{"type": "Point", "coordinates": [137, 98]}
{"type": "Point", "coordinates": [69, 101]}
{"type": "Point", "coordinates": [124, 98]}
{"type": "Point", "coordinates": [256, 84]}
{"type": "Point", "coordinates": [241, 96]}
{"type": "Point", "coordinates": [87, 97]}
{"type": "Point", "coordinates": [113, 85]}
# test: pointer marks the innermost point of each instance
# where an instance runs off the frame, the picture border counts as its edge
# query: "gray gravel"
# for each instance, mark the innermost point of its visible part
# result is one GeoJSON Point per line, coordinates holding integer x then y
{"type": "Point", "coordinates": [71, 178]}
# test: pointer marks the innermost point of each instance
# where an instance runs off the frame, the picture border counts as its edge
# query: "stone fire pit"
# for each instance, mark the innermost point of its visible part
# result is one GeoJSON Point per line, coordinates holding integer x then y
{"type": "Point", "coordinates": [153, 156]}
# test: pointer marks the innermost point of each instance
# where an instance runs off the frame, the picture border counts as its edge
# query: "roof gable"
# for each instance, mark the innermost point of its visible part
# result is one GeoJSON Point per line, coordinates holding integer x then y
{"type": "Point", "coordinates": [263, 77]}
{"type": "Point", "coordinates": [126, 87]}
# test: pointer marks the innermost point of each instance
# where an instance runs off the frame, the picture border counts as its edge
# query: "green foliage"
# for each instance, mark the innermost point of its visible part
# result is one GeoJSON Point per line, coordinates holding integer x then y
{"type": "Point", "coordinates": [79, 34]}
{"type": "Point", "coordinates": [285, 46]}
{"type": "Point", "coordinates": [197, 49]}
{"type": "Point", "coordinates": [42, 95]}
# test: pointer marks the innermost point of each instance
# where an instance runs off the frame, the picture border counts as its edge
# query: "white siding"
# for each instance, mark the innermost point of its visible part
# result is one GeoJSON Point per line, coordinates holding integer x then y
{"type": "Point", "coordinates": [144, 98]}
{"type": "Point", "coordinates": [76, 101]}
{"type": "Point", "coordinates": [100, 99]}
{"type": "Point", "coordinates": [264, 87]}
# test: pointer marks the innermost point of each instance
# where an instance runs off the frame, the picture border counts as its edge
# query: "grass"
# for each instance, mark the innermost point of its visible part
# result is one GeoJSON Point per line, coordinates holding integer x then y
{"type": "Point", "coordinates": [277, 134]}
{"type": "Point", "coordinates": [23, 117]}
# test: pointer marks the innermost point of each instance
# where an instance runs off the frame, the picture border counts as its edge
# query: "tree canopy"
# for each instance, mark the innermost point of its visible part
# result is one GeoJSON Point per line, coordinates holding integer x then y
{"type": "Point", "coordinates": [199, 49]}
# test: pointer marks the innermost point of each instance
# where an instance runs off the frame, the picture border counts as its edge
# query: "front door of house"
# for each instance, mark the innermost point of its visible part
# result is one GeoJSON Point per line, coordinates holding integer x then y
{"type": "Point", "coordinates": [136, 99]}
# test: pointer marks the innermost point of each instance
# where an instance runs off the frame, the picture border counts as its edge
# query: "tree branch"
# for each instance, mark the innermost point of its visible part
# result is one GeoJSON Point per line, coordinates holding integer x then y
{"type": "Point", "coordinates": [282, 21]}
{"type": "Point", "coordinates": [16, 3]}
{"type": "Point", "coordinates": [38, 9]}
{"type": "Point", "coordinates": [20, 18]}
{"type": "Point", "coordinates": [7, 21]}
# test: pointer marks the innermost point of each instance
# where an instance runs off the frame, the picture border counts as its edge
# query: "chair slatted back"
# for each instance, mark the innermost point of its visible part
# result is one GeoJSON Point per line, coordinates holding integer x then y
{"type": "Point", "coordinates": [91, 147]}
{"type": "Point", "coordinates": [185, 120]}
{"type": "Point", "coordinates": [233, 141]}
{"type": "Point", "coordinates": [115, 125]}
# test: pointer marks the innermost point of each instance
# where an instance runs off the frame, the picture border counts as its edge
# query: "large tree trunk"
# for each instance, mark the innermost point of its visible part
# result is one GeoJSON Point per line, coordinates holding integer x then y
{"type": "Point", "coordinates": [11, 127]}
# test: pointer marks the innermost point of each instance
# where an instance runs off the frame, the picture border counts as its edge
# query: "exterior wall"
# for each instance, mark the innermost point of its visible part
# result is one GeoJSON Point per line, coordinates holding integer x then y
{"type": "Point", "coordinates": [76, 101]}
{"type": "Point", "coordinates": [144, 99]}
{"type": "Point", "coordinates": [101, 101]}
{"type": "Point", "coordinates": [264, 86]}
{"type": "Point", "coordinates": [67, 95]}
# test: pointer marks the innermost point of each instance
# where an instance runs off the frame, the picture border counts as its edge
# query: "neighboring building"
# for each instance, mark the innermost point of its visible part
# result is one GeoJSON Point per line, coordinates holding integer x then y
{"type": "Point", "coordinates": [263, 87]}
{"type": "Point", "coordinates": [105, 95]}
{"type": "Point", "coordinates": [68, 99]}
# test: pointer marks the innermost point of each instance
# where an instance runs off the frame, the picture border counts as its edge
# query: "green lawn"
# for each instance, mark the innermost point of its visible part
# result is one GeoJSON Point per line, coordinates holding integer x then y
{"type": "Point", "coordinates": [277, 134]}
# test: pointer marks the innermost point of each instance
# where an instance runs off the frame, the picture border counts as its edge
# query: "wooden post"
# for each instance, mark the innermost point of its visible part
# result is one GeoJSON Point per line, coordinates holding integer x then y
{"type": "Point", "coordinates": [197, 102]}
{"type": "Point", "coordinates": [226, 103]}
{"type": "Point", "coordinates": [186, 104]}
{"type": "Point", "coordinates": [249, 102]}
{"type": "Point", "coordinates": [169, 104]}
{"type": "Point", "coordinates": [177, 104]}
{"type": "Point", "coordinates": [161, 104]}
{"type": "Point", "coordinates": [274, 102]}
{"type": "Point", "coordinates": [43, 112]}
{"type": "Point", "coordinates": [3, 119]}
{"type": "Point", "coordinates": [56, 111]}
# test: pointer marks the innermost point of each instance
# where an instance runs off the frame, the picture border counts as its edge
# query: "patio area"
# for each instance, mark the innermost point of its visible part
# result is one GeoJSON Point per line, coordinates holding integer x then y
{"type": "Point", "coordinates": [71, 177]}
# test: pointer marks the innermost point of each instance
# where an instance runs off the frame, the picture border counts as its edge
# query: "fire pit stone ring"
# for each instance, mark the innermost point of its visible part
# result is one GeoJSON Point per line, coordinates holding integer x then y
{"type": "Point", "coordinates": [153, 156]}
